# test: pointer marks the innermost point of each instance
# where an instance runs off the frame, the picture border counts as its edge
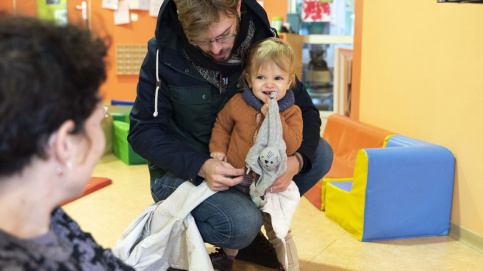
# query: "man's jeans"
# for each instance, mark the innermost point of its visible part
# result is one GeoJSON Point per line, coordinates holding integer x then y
{"type": "Point", "coordinates": [229, 218]}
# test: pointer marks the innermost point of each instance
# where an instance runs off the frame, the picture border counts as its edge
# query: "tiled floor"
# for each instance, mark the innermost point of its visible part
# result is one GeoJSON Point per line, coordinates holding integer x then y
{"type": "Point", "coordinates": [322, 245]}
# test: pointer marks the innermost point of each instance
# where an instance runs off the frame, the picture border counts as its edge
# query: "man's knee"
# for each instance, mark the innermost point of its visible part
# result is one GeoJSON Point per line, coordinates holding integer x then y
{"type": "Point", "coordinates": [245, 233]}
{"type": "Point", "coordinates": [228, 220]}
{"type": "Point", "coordinates": [324, 156]}
{"type": "Point", "coordinates": [321, 165]}
{"type": "Point", "coordinates": [242, 230]}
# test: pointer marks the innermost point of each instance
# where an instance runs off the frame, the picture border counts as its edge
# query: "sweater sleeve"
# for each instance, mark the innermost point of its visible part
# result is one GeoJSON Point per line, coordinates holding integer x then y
{"type": "Point", "coordinates": [222, 129]}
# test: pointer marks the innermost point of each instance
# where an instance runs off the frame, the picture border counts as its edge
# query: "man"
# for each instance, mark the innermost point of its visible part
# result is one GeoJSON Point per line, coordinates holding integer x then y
{"type": "Point", "coordinates": [190, 71]}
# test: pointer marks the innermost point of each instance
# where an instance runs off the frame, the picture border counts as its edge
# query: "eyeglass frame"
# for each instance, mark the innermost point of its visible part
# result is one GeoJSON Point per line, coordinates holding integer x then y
{"type": "Point", "coordinates": [218, 40]}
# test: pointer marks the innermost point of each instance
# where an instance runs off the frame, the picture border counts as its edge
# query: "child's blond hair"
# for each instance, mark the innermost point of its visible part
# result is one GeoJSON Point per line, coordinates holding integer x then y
{"type": "Point", "coordinates": [270, 50]}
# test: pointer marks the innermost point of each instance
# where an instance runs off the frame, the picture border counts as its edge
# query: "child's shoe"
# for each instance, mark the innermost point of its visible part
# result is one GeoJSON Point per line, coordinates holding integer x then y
{"type": "Point", "coordinates": [260, 251]}
{"type": "Point", "coordinates": [221, 261]}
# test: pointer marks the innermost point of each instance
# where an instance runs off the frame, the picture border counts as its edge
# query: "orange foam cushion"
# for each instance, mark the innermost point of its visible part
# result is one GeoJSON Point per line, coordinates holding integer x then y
{"type": "Point", "coordinates": [346, 137]}
{"type": "Point", "coordinates": [94, 184]}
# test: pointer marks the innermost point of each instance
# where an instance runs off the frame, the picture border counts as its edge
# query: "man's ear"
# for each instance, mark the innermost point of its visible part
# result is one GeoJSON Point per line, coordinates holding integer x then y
{"type": "Point", "coordinates": [60, 142]}
{"type": "Point", "coordinates": [238, 8]}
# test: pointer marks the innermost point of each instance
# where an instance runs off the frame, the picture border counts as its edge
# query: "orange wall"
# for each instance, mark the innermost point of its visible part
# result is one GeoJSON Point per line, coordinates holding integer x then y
{"type": "Point", "coordinates": [356, 60]}
{"type": "Point", "coordinates": [121, 87]}
{"type": "Point", "coordinates": [23, 7]}
{"type": "Point", "coordinates": [276, 8]}
{"type": "Point", "coordinates": [6, 6]}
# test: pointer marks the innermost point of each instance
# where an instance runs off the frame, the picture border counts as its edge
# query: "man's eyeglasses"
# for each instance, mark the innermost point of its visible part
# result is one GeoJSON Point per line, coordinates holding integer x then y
{"type": "Point", "coordinates": [218, 40]}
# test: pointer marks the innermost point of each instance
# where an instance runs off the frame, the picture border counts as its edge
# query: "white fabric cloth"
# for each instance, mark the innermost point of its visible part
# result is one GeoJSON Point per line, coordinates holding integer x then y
{"type": "Point", "coordinates": [165, 234]}
{"type": "Point", "coordinates": [281, 207]}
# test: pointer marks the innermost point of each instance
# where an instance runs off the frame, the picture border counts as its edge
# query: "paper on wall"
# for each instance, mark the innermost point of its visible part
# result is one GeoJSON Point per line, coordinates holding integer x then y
{"type": "Point", "coordinates": [121, 15]}
{"type": "Point", "coordinates": [154, 7]}
{"type": "Point", "coordinates": [110, 4]}
{"type": "Point", "coordinates": [139, 4]}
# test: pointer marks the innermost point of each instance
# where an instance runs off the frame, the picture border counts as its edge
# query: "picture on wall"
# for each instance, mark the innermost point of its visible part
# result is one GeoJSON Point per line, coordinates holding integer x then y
{"type": "Point", "coordinates": [315, 11]}
{"type": "Point", "coordinates": [53, 10]}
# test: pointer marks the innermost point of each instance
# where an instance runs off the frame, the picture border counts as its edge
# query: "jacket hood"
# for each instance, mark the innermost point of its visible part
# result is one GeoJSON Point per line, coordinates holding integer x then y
{"type": "Point", "coordinates": [166, 37]}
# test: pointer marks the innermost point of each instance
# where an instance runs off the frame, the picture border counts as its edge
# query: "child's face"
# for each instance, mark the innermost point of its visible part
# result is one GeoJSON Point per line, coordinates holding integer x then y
{"type": "Point", "coordinates": [269, 78]}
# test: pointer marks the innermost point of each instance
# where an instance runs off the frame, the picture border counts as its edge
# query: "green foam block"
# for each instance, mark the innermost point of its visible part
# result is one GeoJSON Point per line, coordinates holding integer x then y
{"type": "Point", "coordinates": [122, 149]}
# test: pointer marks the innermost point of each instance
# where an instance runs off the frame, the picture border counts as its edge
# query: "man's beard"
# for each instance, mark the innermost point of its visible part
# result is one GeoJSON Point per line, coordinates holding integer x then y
{"type": "Point", "coordinates": [224, 50]}
{"type": "Point", "coordinates": [225, 59]}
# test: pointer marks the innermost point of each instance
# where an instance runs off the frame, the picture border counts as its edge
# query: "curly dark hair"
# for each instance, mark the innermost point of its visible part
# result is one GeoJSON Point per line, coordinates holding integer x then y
{"type": "Point", "coordinates": [48, 74]}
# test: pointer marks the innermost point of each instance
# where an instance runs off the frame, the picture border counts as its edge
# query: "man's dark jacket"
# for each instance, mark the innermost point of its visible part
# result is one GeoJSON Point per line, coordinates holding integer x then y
{"type": "Point", "coordinates": [176, 141]}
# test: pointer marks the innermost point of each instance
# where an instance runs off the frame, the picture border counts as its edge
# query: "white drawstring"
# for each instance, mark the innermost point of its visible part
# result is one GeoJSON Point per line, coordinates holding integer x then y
{"type": "Point", "coordinates": [158, 84]}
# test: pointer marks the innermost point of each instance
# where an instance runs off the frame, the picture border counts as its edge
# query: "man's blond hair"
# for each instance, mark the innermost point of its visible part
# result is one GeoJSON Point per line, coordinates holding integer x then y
{"type": "Point", "coordinates": [197, 15]}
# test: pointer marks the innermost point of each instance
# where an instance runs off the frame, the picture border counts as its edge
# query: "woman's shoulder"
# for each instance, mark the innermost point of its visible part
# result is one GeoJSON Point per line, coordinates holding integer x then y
{"type": "Point", "coordinates": [37, 253]}
{"type": "Point", "coordinates": [61, 222]}
{"type": "Point", "coordinates": [14, 255]}
{"type": "Point", "coordinates": [82, 244]}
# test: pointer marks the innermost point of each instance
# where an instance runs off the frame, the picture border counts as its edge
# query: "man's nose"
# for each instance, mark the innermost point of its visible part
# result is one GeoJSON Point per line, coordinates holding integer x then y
{"type": "Point", "coordinates": [216, 47]}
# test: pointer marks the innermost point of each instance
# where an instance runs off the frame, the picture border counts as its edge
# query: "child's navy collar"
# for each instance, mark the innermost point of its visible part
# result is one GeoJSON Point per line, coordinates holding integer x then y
{"type": "Point", "coordinates": [284, 103]}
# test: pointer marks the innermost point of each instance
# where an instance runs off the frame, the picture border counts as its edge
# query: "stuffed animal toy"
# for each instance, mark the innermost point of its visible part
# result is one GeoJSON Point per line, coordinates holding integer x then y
{"type": "Point", "coordinates": [269, 158]}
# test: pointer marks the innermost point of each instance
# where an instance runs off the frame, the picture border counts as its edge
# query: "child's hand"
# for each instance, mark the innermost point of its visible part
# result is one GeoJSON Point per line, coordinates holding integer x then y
{"type": "Point", "coordinates": [219, 155]}
{"type": "Point", "coordinates": [264, 109]}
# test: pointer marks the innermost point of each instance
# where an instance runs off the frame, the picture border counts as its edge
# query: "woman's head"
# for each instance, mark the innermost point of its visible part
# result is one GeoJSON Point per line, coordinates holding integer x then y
{"type": "Point", "coordinates": [48, 75]}
{"type": "Point", "coordinates": [270, 66]}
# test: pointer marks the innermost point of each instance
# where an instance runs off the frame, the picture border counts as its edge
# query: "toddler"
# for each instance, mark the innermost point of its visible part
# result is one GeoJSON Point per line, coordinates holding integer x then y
{"type": "Point", "coordinates": [269, 68]}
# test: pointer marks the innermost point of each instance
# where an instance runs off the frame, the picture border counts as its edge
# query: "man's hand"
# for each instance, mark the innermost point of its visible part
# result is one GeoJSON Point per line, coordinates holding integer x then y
{"type": "Point", "coordinates": [283, 181]}
{"type": "Point", "coordinates": [220, 175]}
{"type": "Point", "coordinates": [219, 155]}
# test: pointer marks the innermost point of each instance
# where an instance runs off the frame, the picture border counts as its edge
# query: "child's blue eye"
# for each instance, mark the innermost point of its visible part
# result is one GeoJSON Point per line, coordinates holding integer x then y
{"type": "Point", "coordinates": [278, 78]}
{"type": "Point", "coordinates": [260, 77]}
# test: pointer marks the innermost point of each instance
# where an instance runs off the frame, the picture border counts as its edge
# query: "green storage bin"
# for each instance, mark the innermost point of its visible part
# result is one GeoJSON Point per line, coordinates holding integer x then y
{"type": "Point", "coordinates": [122, 149]}
{"type": "Point", "coordinates": [120, 112]}
{"type": "Point", "coordinates": [124, 117]}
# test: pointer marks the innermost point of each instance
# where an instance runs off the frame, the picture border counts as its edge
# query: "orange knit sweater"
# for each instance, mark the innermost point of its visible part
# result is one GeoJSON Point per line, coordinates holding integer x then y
{"type": "Point", "coordinates": [237, 125]}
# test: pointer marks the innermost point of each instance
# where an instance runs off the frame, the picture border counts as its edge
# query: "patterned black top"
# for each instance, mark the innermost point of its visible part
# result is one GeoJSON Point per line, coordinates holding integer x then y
{"type": "Point", "coordinates": [64, 247]}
